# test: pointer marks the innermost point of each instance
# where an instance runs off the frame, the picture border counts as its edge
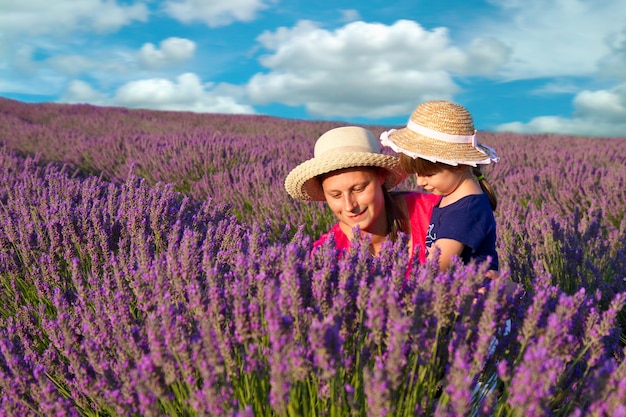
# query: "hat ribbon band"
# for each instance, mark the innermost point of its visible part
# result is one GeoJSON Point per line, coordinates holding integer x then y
{"type": "Point", "coordinates": [435, 134]}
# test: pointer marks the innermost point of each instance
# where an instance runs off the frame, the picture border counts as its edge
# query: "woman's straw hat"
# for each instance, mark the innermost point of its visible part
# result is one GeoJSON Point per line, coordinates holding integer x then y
{"type": "Point", "coordinates": [440, 131]}
{"type": "Point", "coordinates": [343, 147]}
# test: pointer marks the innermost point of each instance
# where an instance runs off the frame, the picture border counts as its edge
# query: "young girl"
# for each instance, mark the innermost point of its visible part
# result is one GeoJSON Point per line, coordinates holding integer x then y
{"type": "Point", "coordinates": [439, 145]}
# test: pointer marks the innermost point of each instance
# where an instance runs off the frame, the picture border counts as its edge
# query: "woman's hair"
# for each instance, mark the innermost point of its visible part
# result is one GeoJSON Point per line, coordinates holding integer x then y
{"type": "Point", "coordinates": [423, 167]}
{"type": "Point", "coordinates": [396, 220]}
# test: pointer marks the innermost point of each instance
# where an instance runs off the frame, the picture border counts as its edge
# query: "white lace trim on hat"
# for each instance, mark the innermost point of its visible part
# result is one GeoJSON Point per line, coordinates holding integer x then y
{"type": "Point", "coordinates": [435, 134]}
{"type": "Point", "coordinates": [490, 153]}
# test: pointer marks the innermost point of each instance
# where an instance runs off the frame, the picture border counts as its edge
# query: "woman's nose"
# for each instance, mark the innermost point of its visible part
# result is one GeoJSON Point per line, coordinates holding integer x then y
{"type": "Point", "coordinates": [421, 181]}
{"type": "Point", "coordinates": [349, 202]}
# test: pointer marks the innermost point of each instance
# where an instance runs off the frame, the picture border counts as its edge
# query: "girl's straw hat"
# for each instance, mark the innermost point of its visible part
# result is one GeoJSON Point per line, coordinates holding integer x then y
{"type": "Point", "coordinates": [440, 131]}
{"type": "Point", "coordinates": [343, 147]}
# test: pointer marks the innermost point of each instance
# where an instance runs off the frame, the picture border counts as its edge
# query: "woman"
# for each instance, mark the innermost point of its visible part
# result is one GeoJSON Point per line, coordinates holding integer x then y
{"type": "Point", "coordinates": [349, 172]}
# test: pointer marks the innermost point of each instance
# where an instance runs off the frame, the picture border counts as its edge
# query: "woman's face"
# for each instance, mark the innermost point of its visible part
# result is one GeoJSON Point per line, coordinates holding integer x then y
{"type": "Point", "coordinates": [355, 196]}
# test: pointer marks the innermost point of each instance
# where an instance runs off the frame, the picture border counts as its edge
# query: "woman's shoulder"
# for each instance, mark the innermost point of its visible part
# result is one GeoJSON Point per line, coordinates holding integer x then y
{"type": "Point", "coordinates": [340, 239]}
{"type": "Point", "coordinates": [416, 204]}
{"type": "Point", "coordinates": [413, 198]}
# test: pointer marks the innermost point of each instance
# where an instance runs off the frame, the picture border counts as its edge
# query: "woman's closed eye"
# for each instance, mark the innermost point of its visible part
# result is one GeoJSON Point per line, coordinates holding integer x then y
{"type": "Point", "coordinates": [355, 189]}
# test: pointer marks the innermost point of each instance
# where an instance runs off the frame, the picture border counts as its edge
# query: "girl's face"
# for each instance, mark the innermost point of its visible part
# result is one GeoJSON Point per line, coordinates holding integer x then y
{"type": "Point", "coordinates": [355, 196]}
{"type": "Point", "coordinates": [443, 182]}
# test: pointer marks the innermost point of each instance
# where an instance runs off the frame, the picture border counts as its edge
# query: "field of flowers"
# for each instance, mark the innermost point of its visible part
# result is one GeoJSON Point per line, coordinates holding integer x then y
{"type": "Point", "coordinates": [152, 264]}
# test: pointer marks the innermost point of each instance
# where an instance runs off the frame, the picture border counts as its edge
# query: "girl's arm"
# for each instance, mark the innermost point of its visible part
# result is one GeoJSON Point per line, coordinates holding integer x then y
{"type": "Point", "coordinates": [445, 248]}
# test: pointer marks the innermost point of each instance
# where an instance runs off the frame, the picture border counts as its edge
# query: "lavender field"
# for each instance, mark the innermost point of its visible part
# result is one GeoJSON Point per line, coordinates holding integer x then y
{"type": "Point", "coordinates": [152, 264]}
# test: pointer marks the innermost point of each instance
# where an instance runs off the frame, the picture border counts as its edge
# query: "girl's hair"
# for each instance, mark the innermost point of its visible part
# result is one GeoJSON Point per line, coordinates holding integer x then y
{"type": "Point", "coordinates": [486, 187]}
{"type": "Point", "coordinates": [422, 167]}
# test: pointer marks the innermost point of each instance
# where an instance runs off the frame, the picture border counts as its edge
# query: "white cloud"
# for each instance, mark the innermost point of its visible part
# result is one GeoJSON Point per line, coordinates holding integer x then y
{"type": "Point", "coordinates": [43, 65]}
{"type": "Point", "coordinates": [186, 93]}
{"type": "Point", "coordinates": [73, 64]}
{"type": "Point", "coordinates": [80, 92]}
{"type": "Point", "coordinates": [570, 43]}
{"type": "Point", "coordinates": [366, 69]}
{"type": "Point", "coordinates": [357, 70]}
{"type": "Point", "coordinates": [613, 64]}
{"type": "Point", "coordinates": [557, 86]}
{"type": "Point", "coordinates": [554, 38]}
{"type": "Point", "coordinates": [597, 113]}
{"type": "Point", "coordinates": [485, 56]}
{"type": "Point", "coordinates": [41, 42]}
{"type": "Point", "coordinates": [214, 13]}
{"type": "Point", "coordinates": [172, 51]}
{"type": "Point", "coordinates": [602, 105]}
{"type": "Point", "coordinates": [106, 63]}
{"type": "Point", "coordinates": [350, 15]}
{"type": "Point", "coordinates": [59, 17]}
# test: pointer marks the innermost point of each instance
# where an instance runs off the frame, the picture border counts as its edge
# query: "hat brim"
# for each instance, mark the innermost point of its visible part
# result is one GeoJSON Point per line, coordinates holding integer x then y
{"type": "Point", "coordinates": [302, 182]}
{"type": "Point", "coordinates": [417, 145]}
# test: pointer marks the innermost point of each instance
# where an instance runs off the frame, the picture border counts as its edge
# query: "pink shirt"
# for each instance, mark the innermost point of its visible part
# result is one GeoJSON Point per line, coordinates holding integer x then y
{"type": "Point", "coordinates": [420, 207]}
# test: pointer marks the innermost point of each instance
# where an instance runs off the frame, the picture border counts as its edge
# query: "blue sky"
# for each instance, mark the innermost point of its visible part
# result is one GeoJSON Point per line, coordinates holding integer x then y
{"type": "Point", "coordinates": [554, 66]}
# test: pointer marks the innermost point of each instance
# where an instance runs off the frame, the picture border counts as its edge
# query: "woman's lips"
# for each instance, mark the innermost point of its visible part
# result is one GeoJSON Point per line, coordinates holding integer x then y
{"type": "Point", "coordinates": [356, 216]}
